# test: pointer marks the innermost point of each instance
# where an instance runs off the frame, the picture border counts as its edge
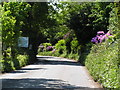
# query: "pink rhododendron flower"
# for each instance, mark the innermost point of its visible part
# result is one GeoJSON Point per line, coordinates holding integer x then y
{"type": "Point", "coordinates": [100, 37]}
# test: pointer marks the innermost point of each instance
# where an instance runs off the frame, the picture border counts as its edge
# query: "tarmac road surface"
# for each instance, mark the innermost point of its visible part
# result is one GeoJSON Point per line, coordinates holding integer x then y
{"type": "Point", "coordinates": [50, 73]}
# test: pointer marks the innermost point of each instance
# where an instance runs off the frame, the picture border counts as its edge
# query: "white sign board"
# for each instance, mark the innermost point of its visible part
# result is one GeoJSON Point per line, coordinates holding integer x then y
{"type": "Point", "coordinates": [23, 42]}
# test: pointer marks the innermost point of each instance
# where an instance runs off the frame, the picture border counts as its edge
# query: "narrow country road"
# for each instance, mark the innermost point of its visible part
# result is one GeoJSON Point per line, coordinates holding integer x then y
{"type": "Point", "coordinates": [49, 72]}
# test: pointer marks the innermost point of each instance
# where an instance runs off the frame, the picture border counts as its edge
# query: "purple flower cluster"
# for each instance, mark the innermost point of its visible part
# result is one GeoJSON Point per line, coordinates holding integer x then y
{"type": "Point", "coordinates": [100, 37]}
{"type": "Point", "coordinates": [49, 48]}
{"type": "Point", "coordinates": [94, 40]}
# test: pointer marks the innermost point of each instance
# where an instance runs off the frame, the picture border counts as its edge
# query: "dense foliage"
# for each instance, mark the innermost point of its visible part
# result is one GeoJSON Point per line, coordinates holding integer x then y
{"type": "Point", "coordinates": [12, 21]}
{"type": "Point", "coordinates": [64, 29]}
{"type": "Point", "coordinates": [85, 20]}
{"type": "Point", "coordinates": [103, 64]}
{"type": "Point", "coordinates": [14, 13]}
{"type": "Point", "coordinates": [1, 11]}
{"type": "Point", "coordinates": [103, 60]}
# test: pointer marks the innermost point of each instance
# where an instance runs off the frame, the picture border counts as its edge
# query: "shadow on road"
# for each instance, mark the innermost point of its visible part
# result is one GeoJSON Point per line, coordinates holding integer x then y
{"type": "Point", "coordinates": [56, 61]}
{"type": "Point", "coordinates": [24, 70]}
{"type": "Point", "coordinates": [28, 83]}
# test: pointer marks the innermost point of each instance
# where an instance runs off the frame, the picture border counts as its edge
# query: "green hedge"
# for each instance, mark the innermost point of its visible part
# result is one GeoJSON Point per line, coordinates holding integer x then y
{"type": "Point", "coordinates": [103, 64]}
{"type": "Point", "coordinates": [60, 46]}
{"type": "Point", "coordinates": [9, 64]}
{"type": "Point", "coordinates": [61, 50]}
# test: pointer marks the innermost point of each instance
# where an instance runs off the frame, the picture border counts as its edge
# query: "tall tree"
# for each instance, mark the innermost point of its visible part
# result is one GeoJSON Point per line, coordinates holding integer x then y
{"type": "Point", "coordinates": [12, 21]}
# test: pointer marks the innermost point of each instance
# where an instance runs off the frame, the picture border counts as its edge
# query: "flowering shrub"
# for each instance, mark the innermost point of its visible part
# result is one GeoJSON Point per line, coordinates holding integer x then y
{"type": "Point", "coordinates": [75, 45]}
{"type": "Point", "coordinates": [53, 50]}
{"type": "Point", "coordinates": [41, 47]}
{"type": "Point", "coordinates": [46, 44]}
{"type": "Point", "coordinates": [60, 46]}
{"type": "Point", "coordinates": [49, 48]}
{"type": "Point", "coordinates": [100, 37]}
